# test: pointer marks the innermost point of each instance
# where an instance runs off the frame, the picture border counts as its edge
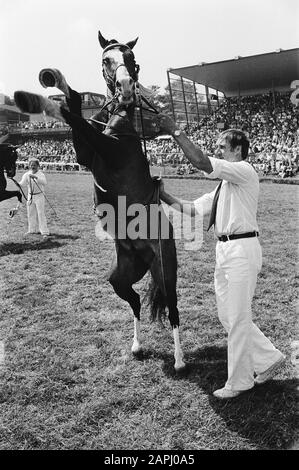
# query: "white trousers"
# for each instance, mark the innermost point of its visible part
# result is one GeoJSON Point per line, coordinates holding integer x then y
{"type": "Point", "coordinates": [37, 221]}
{"type": "Point", "coordinates": [238, 263]}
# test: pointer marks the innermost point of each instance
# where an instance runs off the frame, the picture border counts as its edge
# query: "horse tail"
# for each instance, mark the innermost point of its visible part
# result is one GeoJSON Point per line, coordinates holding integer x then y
{"type": "Point", "coordinates": [156, 300]}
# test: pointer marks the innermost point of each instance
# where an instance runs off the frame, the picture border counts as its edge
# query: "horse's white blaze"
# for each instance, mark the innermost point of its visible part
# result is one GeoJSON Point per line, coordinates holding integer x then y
{"type": "Point", "coordinates": [178, 353]}
{"type": "Point", "coordinates": [122, 75]}
{"type": "Point", "coordinates": [136, 347]}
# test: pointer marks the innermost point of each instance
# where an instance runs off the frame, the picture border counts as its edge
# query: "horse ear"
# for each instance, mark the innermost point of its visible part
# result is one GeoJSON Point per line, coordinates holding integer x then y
{"type": "Point", "coordinates": [131, 44]}
{"type": "Point", "coordinates": [104, 43]}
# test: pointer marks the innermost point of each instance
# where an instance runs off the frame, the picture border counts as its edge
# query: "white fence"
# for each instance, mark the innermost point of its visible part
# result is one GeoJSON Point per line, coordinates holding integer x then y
{"type": "Point", "coordinates": [52, 166]}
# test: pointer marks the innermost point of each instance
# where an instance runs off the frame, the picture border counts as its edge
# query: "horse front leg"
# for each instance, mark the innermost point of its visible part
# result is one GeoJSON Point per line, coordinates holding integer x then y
{"type": "Point", "coordinates": [107, 146]}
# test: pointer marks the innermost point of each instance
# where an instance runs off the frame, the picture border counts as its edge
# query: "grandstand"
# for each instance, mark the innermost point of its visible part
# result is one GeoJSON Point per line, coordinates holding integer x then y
{"type": "Point", "coordinates": [11, 114]}
{"type": "Point", "coordinates": [250, 93]}
{"type": "Point", "coordinates": [91, 102]}
{"type": "Point", "coordinates": [242, 76]}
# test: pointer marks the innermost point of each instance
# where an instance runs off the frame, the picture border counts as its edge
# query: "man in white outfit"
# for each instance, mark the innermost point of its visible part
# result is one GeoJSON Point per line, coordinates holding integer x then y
{"type": "Point", "coordinates": [232, 207]}
{"type": "Point", "coordinates": [35, 181]}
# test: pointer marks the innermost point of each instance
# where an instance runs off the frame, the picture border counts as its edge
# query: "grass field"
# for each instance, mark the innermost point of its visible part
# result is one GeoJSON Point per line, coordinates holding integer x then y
{"type": "Point", "coordinates": [68, 379]}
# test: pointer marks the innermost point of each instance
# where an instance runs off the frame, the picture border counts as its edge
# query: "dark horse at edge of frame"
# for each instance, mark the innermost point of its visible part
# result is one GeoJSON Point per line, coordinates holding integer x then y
{"type": "Point", "coordinates": [120, 168]}
{"type": "Point", "coordinates": [8, 158]}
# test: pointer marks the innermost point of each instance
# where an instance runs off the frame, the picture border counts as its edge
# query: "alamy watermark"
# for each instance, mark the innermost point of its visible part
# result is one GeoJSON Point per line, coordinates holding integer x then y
{"type": "Point", "coordinates": [154, 221]}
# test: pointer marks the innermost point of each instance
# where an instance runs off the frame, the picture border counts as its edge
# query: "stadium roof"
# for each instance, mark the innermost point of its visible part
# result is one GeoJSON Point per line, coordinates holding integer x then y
{"type": "Point", "coordinates": [11, 108]}
{"type": "Point", "coordinates": [246, 75]}
{"type": "Point", "coordinates": [11, 113]}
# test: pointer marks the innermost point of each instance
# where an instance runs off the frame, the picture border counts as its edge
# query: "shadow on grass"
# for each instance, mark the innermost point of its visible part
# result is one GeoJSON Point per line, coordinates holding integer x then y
{"type": "Point", "coordinates": [34, 243]}
{"type": "Point", "coordinates": [265, 415]}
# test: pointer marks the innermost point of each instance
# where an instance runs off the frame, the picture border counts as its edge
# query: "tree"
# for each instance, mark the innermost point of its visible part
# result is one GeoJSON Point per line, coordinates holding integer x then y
{"type": "Point", "coordinates": [160, 99]}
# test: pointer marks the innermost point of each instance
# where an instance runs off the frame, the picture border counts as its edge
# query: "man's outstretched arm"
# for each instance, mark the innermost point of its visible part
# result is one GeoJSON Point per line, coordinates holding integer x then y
{"type": "Point", "coordinates": [191, 151]}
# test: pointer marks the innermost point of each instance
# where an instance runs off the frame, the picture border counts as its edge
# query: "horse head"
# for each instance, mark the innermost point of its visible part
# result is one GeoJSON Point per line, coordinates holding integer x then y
{"type": "Point", "coordinates": [8, 158]}
{"type": "Point", "coordinates": [119, 69]}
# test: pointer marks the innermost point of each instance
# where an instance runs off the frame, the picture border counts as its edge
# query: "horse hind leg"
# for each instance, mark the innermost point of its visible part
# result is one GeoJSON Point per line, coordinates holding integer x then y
{"type": "Point", "coordinates": [179, 364]}
{"type": "Point", "coordinates": [126, 292]}
{"type": "Point", "coordinates": [166, 277]}
{"type": "Point", "coordinates": [128, 269]}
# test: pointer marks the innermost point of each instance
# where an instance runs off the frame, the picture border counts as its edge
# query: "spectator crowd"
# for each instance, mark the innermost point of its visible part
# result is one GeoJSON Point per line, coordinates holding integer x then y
{"type": "Point", "coordinates": [48, 150]}
{"type": "Point", "coordinates": [35, 125]}
{"type": "Point", "coordinates": [270, 121]}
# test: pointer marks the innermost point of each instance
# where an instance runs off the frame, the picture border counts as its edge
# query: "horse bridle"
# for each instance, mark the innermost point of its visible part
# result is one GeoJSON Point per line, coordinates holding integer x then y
{"type": "Point", "coordinates": [110, 79]}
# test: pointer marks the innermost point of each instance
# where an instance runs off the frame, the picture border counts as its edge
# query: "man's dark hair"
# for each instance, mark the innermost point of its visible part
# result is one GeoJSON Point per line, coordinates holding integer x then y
{"type": "Point", "coordinates": [236, 137]}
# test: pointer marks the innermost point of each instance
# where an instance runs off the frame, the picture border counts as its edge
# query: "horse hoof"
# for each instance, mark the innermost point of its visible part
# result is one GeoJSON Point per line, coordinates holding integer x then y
{"type": "Point", "coordinates": [136, 349]}
{"type": "Point", "coordinates": [29, 102]}
{"type": "Point", "coordinates": [47, 77]}
{"type": "Point", "coordinates": [180, 368]}
{"type": "Point", "coordinates": [54, 78]}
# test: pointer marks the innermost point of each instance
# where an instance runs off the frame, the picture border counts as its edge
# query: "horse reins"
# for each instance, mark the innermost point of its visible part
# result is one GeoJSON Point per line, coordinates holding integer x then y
{"type": "Point", "coordinates": [29, 200]}
{"type": "Point", "coordinates": [55, 213]}
{"type": "Point", "coordinates": [20, 188]}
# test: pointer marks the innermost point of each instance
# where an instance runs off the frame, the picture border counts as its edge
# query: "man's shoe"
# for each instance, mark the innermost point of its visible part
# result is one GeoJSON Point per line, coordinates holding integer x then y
{"type": "Point", "coordinates": [270, 372]}
{"type": "Point", "coordinates": [226, 394]}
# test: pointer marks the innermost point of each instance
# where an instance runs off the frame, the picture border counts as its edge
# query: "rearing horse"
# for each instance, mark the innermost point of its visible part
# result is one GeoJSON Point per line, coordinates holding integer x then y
{"type": "Point", "coordinates": [8, 158]}
{"type": "Point", "coordinates": [120, 169]}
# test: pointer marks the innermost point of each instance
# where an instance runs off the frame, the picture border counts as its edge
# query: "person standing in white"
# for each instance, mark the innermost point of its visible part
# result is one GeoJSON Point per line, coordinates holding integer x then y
{"type": "Point", "coordinates": [238, 254]}
{"type": "Point", "coordinates": [35, 181]}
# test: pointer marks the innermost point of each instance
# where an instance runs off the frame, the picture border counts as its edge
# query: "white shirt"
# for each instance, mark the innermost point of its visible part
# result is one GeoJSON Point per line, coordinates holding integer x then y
{"type": "Point", "coordinates": [34, 187]}
{"type": "Point", "coordinates": [238, 197]}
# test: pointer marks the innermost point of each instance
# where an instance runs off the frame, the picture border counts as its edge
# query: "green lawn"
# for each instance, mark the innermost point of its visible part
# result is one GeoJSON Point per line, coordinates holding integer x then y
{"type": "Point", "coordinates": [69, 380]}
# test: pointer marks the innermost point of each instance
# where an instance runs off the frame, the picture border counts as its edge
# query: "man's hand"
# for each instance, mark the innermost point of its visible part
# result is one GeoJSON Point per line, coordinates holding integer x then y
{"type": "Point", "coordinates": [33, 177]}
{"type": "Point", "coordinates": [166, 123]}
